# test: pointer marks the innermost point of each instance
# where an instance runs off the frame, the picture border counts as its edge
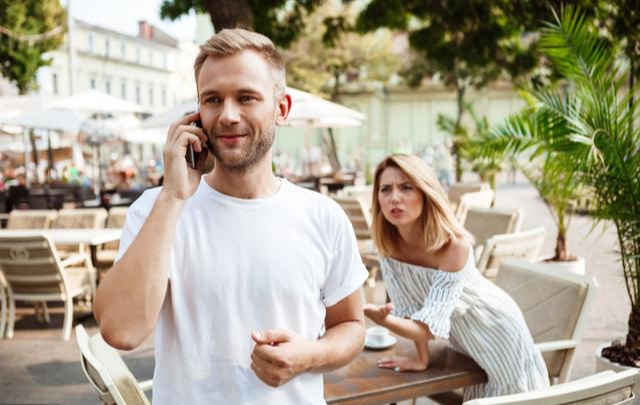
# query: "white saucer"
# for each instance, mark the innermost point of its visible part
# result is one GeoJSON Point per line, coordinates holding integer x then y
{"type": "Point", "coordinates": [388, 342]}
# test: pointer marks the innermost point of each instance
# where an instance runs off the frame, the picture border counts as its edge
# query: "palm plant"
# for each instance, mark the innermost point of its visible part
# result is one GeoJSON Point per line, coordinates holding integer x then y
{"type": "Point", "coordinates": [586, 125]}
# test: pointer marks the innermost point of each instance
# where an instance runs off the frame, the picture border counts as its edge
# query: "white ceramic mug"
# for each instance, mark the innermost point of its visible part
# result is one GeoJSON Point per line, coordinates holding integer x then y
{"type": "Point", "coordinates": [377, 335]}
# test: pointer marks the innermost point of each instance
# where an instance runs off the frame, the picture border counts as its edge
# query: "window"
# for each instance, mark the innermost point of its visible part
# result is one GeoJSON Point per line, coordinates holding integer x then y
{"type": "Point", "coordinates": [150, 94]}
{"type": "Point", "coordinates": [54, 82]}
{"type": "Point", "coordinates": [164, 60]}
{"type": "Point", "coordinates": [138, 93]}
{"type": "Point", "coordinates": [107, 46]}
{"type": "Point", "coordinates": [123, 50]}
{"type": "Point", "coordinates": [92, 83]}
{"type": "Point", "coordinates": [123, 89]}
{"type": "Point", "coordinates": [150, 57]}
{"type": "Point", "coordinates": [164, 97]}
{"type": "Point", "coordinates": [107, 86]}
{"type": "Point", "coordinates": [90, 42]}
{"type": "Point", "coordinates": [137, 55]}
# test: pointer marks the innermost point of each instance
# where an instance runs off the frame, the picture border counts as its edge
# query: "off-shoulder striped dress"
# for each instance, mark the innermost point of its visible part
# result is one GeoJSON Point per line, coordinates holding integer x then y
{"type": "Point", "coordinates": [479, 319]}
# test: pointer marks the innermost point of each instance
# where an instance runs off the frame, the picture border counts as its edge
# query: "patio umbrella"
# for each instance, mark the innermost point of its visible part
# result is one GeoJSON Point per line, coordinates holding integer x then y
{"type": "Point", "coordinates": [94, 101]}
{"type": "Point", "coordinates": [49, 120]}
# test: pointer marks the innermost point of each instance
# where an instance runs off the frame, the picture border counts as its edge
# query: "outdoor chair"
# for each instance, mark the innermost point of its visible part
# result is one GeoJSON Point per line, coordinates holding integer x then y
{"type": "Point", "coordinates": [31, 219]}
{"type": "Point", "coordinates": [525, 245]}
{"type": "Point", "coordinates": [107, 372]}
{"type": "Point", "coordinates": [358, 212]}
{"type": "Point", "coordinates": [34, 272]}
{"type": "Point", "coordinates": [457, 190]}
{"type": "Point", "coordinates": [109, 251]}
{"type": "Point", "coordinates": [556, 306]}
{"type": "Point", "coordinates": [3, 305]}
{"type": "Point", "coordinates": [484, 223]}
{"type": "Point", "coordinates": [478, 199]}
{"type": "Point", "coordinates": [85, 218]}
{"type": "Point", "coordinates": [365, 193]}
{"type": "Point", "coordinates": [606, 388]}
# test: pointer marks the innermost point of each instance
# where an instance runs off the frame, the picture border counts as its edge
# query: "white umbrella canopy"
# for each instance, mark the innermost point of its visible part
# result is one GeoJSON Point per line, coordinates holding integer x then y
{"type": "Point", "coordinates": [94, 101]}
{"type": "Point", "coordinates": [307, 110]}
{"type": "Point", "coordinates": [315, 112]}
{"type": "Point", "coordinates": [56, 120]}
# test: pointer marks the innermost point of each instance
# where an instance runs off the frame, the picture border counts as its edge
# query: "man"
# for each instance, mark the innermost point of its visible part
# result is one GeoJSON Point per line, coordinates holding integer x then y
{"type": "Point", "coordinates": [251, 283]}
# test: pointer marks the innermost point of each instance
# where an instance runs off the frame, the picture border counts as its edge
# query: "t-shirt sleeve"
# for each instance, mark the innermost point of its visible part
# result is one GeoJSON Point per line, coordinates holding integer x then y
{"type": "Point", "coordinates": [137, 215]}
{"type": "Point", "coordinates": [347, 273]}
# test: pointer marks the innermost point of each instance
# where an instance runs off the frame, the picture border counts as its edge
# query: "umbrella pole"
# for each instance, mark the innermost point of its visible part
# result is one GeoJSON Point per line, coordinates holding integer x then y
{"type": "Point", "coordinates": [25, 140]}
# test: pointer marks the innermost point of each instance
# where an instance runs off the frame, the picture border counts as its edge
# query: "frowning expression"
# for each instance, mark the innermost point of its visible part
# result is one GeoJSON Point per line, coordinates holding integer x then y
{"type": "Point", "coordinates": [401, 202]}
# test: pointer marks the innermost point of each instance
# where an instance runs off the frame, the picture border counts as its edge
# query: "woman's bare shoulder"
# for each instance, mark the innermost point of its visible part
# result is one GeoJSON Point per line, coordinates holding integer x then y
{"type": "Point", "coordinates": [455, 255]}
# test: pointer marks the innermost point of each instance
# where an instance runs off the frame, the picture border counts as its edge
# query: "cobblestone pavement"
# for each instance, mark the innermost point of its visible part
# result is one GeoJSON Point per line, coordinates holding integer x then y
{"type": "Point", "coordinates": [36, 367]}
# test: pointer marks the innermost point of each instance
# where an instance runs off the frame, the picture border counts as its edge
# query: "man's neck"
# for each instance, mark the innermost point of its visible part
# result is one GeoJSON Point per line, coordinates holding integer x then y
{"type": "Point", "coordinates": [257, 182]}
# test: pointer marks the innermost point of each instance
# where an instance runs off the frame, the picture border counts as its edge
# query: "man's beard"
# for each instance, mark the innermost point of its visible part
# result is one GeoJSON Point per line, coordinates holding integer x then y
{"type": "Point", "coordinates": [251, 154]}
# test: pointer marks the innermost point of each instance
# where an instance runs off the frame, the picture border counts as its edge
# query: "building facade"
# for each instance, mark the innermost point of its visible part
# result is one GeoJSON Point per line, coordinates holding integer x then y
{"type": "Point", "coordinates": [152, 69]}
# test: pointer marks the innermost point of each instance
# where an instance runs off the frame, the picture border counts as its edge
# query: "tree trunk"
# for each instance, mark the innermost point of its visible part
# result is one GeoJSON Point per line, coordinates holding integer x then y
{"type": "Point", "coordinates": [229, 14]}
{"type": "Point", "coordinates": [460, 90]}
{"type": "Point", "coordinates": [561, 248]}
{"type": "Point", "coordinates": [632, 345]}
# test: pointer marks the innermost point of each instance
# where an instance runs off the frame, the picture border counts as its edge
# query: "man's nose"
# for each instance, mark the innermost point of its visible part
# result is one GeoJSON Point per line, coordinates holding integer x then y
{"type": "Point", "coordinates": [230, 114]}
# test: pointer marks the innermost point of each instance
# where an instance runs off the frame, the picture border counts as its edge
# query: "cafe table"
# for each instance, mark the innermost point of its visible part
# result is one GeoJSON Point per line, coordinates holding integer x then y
{"type": "Point", "coordinates": [362, 383]}
{"type": "Point", "coordinates": [90, 237]}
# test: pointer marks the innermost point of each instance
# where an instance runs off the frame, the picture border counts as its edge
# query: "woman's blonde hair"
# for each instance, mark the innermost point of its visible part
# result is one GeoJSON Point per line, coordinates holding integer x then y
{"type": "Point", "coordinates": [439, 224]}
{"type": "Point", "coordinates": [229, 42]}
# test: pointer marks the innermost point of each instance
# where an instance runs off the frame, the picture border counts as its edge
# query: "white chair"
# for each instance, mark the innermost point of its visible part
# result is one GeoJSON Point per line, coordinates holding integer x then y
{"type": "Point", "coordinates": [34, 272]}
{"type": "Point", "coordinates": [72, 218]}
{"type": "Point", "coordinates": [484, 223]}
{"type": "Point", "coordinates": [107, 372]}
{"type": "Point", "coordinates": [109, 251]}
{"type": "Point", "coordinates": [3, 305]}
{"type": "Point", "coordinates": [31, 219]}
{"type": "Point", "coordinates": [525, 245]}
{"type": "Point", "coordinates": [457, 190]}
{"type": "Point", "coordinates": [478, 199]}
{"type": "Point", "coordinates": [358, 212]}
{"type": "Point", "coordinates": [607, 388]}
{"type": "Point", "coordinates": [556, 307]}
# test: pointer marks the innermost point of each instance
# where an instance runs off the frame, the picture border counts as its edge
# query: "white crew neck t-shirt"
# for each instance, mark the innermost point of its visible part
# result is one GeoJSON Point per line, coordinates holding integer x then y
{"type": "Point", "coordinates": [239, 266]}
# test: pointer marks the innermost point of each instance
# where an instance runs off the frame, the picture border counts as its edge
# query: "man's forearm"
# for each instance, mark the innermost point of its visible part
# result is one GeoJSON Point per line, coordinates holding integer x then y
{"type": "Point", "coordinates": [130, 297]}
{"type": "Point", "coordinates": [339, 346]}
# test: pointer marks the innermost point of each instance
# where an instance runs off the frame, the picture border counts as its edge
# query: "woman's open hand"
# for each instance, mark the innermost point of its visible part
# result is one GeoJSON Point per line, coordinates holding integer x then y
{"type": "Point", "coordinates": [377, 313]}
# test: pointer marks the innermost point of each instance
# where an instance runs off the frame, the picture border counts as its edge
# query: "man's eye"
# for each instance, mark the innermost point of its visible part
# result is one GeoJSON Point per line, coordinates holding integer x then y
{"type": "Point", "coordinates": [212, 100]}
{"type": "Point", "coordinates": [245, 99]}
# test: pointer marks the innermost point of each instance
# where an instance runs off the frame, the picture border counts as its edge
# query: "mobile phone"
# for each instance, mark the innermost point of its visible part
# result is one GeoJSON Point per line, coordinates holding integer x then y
{"type": "Point", "coordinates": [192, 156]}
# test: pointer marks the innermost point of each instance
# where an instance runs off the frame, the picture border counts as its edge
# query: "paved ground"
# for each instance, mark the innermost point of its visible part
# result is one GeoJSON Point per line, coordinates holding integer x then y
{"type": "Point", "coordinates": [36, 367]}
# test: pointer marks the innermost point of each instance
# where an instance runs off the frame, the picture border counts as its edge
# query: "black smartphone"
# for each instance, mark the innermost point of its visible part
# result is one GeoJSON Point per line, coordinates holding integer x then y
{"type": "Point", "coordinates": [192, 156]}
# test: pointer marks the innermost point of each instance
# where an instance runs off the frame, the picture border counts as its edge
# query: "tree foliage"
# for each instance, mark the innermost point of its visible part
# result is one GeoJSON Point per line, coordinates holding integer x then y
{"type": "Point", "coordinates": [323, 55]}
{"type": "Point", "coordinates": [21, 50]}
{"type": "Point", "coordinates": [280, 20]}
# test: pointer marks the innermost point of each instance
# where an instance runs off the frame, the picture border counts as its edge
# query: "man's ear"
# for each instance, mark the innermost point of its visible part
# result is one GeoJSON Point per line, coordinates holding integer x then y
{"type": "Point", "coordinates": [282, 109]}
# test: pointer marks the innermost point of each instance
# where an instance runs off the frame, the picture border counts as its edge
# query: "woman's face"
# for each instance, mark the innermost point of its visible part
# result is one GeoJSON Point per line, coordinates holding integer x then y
{"type": "Point", "coordinates": [401, 202]}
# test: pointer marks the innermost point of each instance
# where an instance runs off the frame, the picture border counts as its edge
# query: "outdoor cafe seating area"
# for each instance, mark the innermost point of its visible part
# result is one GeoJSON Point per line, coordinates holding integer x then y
{"type": "Point", "coordinates": [65, 251]}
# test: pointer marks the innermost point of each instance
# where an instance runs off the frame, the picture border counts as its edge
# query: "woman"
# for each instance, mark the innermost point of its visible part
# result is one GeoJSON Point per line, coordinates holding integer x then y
{"type": "Point", "coordinates": [435, 288]}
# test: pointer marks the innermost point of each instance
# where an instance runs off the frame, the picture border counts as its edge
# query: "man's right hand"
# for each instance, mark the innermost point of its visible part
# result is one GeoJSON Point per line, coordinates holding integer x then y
{"type": "Point", "coordinates": [180, 181]}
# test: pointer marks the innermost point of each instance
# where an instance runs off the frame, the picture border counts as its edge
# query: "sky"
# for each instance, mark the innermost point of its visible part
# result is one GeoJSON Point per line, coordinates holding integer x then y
{"type": "Point", "coordinates": [123, 16]}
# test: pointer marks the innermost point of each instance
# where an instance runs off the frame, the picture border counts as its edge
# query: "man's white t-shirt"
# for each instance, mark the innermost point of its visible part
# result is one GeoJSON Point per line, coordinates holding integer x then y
{"type": "Point", "coordinates": [239, 266]}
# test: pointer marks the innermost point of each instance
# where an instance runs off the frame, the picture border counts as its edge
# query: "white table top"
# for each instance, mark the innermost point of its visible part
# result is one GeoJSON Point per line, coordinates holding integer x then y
{"type": "Point", "coordinates": [70, 236]}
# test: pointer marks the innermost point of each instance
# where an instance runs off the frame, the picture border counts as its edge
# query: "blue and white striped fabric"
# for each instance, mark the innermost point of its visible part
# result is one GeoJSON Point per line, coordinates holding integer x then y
{"type": "Point", "coordinates": [479, 319]}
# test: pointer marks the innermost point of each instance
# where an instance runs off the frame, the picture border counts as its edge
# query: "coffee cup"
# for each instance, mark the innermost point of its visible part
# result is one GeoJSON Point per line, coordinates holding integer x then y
{"type": "Point", "coordinates": [377, 335]}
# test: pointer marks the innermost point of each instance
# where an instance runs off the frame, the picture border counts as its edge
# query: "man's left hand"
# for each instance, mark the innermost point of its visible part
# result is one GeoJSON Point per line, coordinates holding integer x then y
{"type": "Point", "coordinates": [280, 355]}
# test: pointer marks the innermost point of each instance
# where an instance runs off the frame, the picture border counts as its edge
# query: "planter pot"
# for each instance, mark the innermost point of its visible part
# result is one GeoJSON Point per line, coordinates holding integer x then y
{"type": "Point", "coordinates": [577, 266]}
{"type": "Point", "coordinates": [603, 364]}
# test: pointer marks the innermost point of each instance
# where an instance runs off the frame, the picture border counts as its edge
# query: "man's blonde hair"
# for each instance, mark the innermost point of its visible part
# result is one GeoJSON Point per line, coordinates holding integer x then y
{"type": "Point", "coordinates": [439, 224]}
{"type": "Point", "coordinates": [232, 41]}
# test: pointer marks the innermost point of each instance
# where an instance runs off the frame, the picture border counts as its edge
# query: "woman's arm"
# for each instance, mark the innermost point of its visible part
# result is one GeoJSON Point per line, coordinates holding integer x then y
{"type": "Point", "coordinates": [408, 328]}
